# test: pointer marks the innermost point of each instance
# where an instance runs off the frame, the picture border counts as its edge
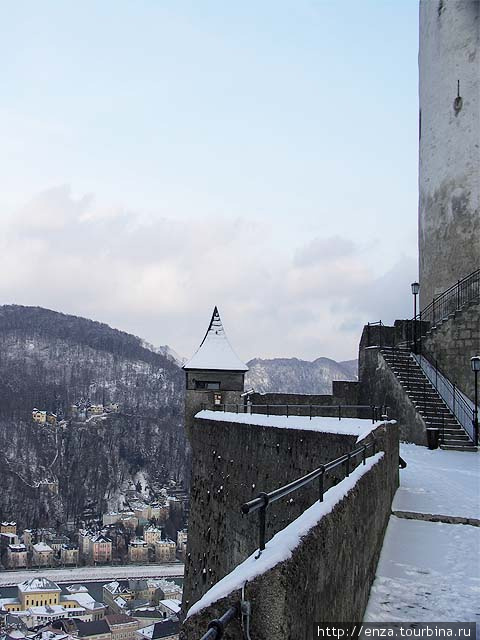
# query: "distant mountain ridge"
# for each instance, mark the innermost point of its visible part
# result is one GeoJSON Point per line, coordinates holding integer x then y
{"type": "Point", "coordinates": [292, 375]}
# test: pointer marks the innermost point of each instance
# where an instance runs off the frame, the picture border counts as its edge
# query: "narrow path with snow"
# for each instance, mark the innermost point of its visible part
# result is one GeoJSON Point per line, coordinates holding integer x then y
{"type": "Point", "coordinates": [430, 571]}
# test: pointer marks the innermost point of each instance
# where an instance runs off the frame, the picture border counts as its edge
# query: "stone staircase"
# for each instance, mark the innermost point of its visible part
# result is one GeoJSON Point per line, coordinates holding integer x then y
{"type": "Point", "coordinates": [427, 401]}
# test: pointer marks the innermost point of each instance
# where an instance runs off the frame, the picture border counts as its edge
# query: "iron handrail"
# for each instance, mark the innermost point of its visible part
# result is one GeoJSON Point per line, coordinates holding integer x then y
{"type": "Point", "coordinates": [341, 410]}
{"type": "Point", "coordinates": [449, 392]}
{"type": "Point", "coordinates": [452, 299]}
{"type": "Point", "coordinates": [216, 628]}
{"type": "Point", "coordinates": [409, 375]}
{"type": "Point", "coordinates": [261, 502]}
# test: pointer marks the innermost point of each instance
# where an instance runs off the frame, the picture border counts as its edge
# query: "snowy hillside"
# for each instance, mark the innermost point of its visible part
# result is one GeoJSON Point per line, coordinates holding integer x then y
{"type": "Point", "coordinates": [50, 361]}
{"type": "Point", "coordinates": [290, 375]}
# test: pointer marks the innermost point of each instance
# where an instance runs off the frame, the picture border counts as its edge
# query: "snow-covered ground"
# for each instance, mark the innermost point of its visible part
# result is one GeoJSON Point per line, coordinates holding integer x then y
{"type": "Point", "coordinates": [430, 571]}
{"type": "Point", "coordinates": [439, 482]}
{"type": "Point", "coordinates": [78, 574]}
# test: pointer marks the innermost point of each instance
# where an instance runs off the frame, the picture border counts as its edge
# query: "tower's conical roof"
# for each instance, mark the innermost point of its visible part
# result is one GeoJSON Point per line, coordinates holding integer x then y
{"type": "Point", "coordinates": [215, 352]}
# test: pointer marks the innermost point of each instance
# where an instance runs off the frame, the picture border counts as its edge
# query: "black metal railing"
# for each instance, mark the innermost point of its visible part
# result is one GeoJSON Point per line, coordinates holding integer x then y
{"type": "Point", "coordinates": [216, 628]}
{"type": "Point", "coordinates": [340, 411]}
{"type": "Point", "coordinates": [263, 500]}
{"type": "Point", "coordinates": [421, 372]}
{"type": "Point", "coordinates": [413, 378]}
{"type": "Point", "coordinates": [449, 392]}
{"type": "Point", "coordinates": [450, 301]}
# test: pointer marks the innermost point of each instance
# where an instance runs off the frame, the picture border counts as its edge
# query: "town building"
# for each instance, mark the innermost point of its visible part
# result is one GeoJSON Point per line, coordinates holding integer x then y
{"type": "Point", "coordinates": [182, 537]}
{"type": "Point", "coordinates": [40, 601]}
{"type": "Point", "coordinates": [78, 595]}
{"type": "Point", "coordinates": [122, 626]}
{"type": "Point", "coordinates": [138, 550]}
{"type": "Point", "coordinates": [95, 409]}
{"type": "Point", "coordinates": [165, 550]}
{"type": "Point", "coordinates": [169, 608]}
{"type": "Point", "coordinates": [6, 539]}
{"type": "Point", "coordinates": [56, 541]}
{"type": "Point", "coordinates": [27, 538]}
{"type": "Point", "coordinates": [8, 527]}
{"type": "Point", "coordinates": [152, 534]}
{"type": "Point", "coordinates": [69, 554]}
{"type": "Point", "coordinates": [159, 512]}
{"type": "Point", "coordinates": [17, 556]}
{"type": "Point", "coordinates": [42, 555]}
{"type": "Point", "coordinates": [165, 590]}
{"type": "Point", "coordinates": [126, 518]}
{"type": "Point", "coordinates": [163, 630]}
{"type": "Point", "coordinates": [100, 549]}
{"type": "Point", "coordinates": [94, 630]}
{"type": "Point", "coordinates": [39, 416]}
{"type": "Point", "coordinates": [116, 596]}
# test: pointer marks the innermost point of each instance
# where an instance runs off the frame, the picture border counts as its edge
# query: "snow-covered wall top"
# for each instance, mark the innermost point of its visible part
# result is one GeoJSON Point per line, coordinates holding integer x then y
{"type": "Point", "coordinates": [346, 426]}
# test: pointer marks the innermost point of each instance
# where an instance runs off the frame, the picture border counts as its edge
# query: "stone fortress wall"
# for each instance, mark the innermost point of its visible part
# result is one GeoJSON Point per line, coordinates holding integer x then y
{"type": "Point", "coordinates": [449, 144]}
{"type": "Point", "coordinates": [232, 463]}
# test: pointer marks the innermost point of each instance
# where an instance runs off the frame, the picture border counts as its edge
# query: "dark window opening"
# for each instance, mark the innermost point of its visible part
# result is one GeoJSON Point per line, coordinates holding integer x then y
{"type": "Point", "coordinates": [202, 384]}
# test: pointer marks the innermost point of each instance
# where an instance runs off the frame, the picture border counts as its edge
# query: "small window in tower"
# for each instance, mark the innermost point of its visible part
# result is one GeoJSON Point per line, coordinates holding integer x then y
{"type": "Point", "coordinates": [202, 384]}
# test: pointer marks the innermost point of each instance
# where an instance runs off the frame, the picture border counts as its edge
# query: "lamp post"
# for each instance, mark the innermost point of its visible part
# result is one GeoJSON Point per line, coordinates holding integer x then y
{"type": "Point", "coordinates": [475, 362]}
{"type": "Point", "coordinates": [415, 290]}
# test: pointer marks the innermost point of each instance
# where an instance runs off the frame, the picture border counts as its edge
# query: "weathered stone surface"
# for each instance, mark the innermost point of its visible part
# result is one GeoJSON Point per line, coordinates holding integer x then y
{"type": "Point", "coordinates": [329, 575]}
{"type": "Point", "coordinates": [379, 386]}
{"type": "Point", "coordinates": [453, 343]}
{"type": "Point", "coordinates": [433, 517]}
{"type": "Point", "coordinates": [231, 464]}
{"type": "Point", "coordinates": [449, 146]}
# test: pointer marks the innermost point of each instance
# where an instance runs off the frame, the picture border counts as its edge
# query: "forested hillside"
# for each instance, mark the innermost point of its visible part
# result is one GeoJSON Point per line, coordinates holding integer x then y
{"type": "Point", "coordinates": [49, 361]}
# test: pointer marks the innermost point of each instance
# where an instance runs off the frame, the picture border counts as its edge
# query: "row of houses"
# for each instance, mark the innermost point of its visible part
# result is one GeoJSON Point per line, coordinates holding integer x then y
{"type": "Point", "coordinates": [127, 608]}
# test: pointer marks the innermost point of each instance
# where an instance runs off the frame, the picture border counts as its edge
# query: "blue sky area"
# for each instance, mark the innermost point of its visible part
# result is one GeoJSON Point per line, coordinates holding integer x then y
{"type": "Point", "coordinates": [162, 157]}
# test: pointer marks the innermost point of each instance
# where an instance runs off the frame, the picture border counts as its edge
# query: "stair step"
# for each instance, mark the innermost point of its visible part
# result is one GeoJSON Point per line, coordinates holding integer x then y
{"type": "Point", "coordinates": [427, 401]}
{"type": "Point", "coordinates": [452, 439]}
{"type": "Point", "coordinates": [447, 447]}
{"type": "Point", "coordinates": [451, 431]}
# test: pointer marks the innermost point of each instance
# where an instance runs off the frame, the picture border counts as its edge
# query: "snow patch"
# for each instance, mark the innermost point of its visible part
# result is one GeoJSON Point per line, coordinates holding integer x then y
{"type": "Point", "coordinates": [346, 426]}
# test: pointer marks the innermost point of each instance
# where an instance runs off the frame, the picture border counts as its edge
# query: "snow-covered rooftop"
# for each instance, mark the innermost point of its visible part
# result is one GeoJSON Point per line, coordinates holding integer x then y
{"type": "Point", "coordinates": [38, 584]}
{"type": "Point", "coordinates": [346, 426]}
{"type": "Point", "coordinates": [41, 547]}
{"type": "Point", "coordinates": [282, 545]}
{"type": "Point", "coordinates": [172, 604]}
{"type": "Point", "coordinates": [215, 353]}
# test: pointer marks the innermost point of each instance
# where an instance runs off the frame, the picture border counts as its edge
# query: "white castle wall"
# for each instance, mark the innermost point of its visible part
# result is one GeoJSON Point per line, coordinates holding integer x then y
{"type": "Point", "coordinates": [449, 171]}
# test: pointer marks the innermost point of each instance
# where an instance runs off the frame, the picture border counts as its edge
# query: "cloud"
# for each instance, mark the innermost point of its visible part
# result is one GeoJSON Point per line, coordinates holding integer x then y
{"type": "Point", "coordinates": [160, 278]}
{"type": "Point", "coordinates": [321, 250]}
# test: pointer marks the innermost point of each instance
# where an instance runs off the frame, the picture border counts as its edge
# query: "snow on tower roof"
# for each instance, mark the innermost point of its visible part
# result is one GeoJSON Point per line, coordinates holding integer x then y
{"type": "Point", "coordinates": [215, 351]}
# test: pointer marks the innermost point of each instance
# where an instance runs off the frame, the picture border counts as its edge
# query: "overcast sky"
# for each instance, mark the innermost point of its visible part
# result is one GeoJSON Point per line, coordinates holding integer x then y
{"type": "Point", "coordinates": [159, 158]}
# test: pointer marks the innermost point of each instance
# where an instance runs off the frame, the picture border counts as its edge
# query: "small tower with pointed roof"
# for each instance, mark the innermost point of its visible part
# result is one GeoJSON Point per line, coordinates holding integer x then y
{"type": "Point", "coordinates": [214, 374]}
